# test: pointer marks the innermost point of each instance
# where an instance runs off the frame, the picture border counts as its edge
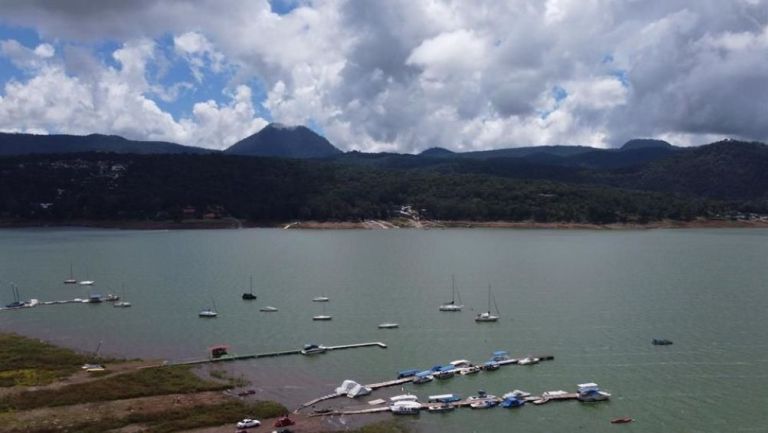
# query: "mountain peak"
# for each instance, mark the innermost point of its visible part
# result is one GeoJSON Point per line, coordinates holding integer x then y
{"type": "Point", "coordinates": [437, 151]}
{"type": "Point", "coordinates": [285, 141]}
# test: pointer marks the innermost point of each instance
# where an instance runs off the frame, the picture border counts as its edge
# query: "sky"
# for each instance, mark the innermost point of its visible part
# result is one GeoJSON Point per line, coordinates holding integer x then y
{"type": "Point", "coordinates": [388, 75]}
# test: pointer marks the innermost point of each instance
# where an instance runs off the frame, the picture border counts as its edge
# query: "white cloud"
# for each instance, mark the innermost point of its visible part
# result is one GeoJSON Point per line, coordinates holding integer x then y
{"type": "Point", "coordinates": [409, 74]}
{"type": "Point", "coordinates": [117, 101]}
{"type": "Point", "coordinates": [199, 52]}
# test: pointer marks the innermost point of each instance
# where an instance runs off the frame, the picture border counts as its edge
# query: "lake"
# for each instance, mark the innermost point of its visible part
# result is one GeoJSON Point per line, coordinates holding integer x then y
{"type": "Point", "coordinates": [593, 299]}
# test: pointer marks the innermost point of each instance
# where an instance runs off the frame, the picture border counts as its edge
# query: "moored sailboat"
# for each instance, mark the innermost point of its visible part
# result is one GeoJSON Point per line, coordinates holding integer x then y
{"type": "Point", "coordinates": [249, 296]}
{"type": "Point", "coordinates": [452, 305]}
{"type": "Point", "coordinates": [209, 313]}
{"type": "Point", "coordinates": [71, 279]}
{"type": "Point", "coordinates": [322, 317]}
{"type": "Point", "coordinates": [488, 316]}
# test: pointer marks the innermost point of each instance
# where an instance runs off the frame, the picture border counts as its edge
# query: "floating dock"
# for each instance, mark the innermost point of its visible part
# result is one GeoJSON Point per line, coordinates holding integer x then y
{"type": "Point", "coordinates": [405, 380]}
{"type": "Point", "coordinates": [536, 400]}
{"type": "Point", "coordinates": [230, 358]}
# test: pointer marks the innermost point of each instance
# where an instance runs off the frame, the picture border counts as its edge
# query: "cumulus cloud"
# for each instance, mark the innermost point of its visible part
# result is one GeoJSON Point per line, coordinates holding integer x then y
{"type": "Point", "coordinates": [116, 101]}
{"type": "Point", "coordinates": [404, 75]}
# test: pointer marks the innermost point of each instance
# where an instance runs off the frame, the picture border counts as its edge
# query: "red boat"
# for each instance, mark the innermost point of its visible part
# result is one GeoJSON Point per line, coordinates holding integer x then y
{"type": "Point", "coordinates": [622, 420]}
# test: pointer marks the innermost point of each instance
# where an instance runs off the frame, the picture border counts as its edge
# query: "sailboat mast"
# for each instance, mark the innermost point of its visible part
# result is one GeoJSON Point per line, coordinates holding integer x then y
{"type": "Point", "coordinates": [453, 289]}
{"type": "Point", "coordinates": [489, 298]}
{"type": "Point", "coordinates": [251, 284]}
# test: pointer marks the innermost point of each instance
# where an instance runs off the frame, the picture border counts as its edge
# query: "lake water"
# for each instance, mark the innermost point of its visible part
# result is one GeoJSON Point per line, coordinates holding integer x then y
{"type": "Point", "coordinates": [593, 299]}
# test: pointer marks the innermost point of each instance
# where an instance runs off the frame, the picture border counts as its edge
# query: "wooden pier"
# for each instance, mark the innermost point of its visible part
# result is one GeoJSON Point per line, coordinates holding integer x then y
{"type": "Point", "coordinates": [230, 358]}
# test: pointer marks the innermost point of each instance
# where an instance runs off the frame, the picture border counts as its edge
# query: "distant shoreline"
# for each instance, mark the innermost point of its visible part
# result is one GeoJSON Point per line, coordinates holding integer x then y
{"type": "Point", "coordinates": [233, 223]}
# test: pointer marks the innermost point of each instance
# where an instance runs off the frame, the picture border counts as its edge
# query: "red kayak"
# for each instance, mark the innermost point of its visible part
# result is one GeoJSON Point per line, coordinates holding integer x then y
{"type": "Point", "coordinates": [622, 420]}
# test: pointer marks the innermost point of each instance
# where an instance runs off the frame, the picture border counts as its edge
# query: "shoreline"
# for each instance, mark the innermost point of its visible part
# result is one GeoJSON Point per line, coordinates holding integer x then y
{"type": "Point", "coordinates": [214, 387]}
{"type": "Point", "coordinates": [233, 223]}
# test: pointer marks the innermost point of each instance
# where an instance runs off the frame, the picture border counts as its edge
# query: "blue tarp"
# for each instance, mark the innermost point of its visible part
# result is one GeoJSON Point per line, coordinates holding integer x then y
{"type": "Point", "coordinates": [407, 373]}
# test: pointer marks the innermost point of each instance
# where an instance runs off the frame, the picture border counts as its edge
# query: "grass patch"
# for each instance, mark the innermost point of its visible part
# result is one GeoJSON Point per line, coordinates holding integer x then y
{"type": "Point", "coordinates": [207, 416]}
{"type": "Point", "coordinates": [29, 362]}
{"type": "Point", "coordinates": [178, 419]}
{"type": "Point", "coordinates": [140, 383]}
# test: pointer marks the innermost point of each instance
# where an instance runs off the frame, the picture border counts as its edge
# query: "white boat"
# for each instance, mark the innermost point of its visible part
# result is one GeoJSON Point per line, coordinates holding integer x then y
{"type": "Point", "coordinates": [323, 317]}
{"type": "Point", "coordinates": [529, 360]}
{"type": "Point", "coordinates": [459, 363]}
{"type": "Point", "coordinates": [452, 306]}
{"type": "Point", "coordinates": [589, 392]}
{"type": "Point", "coordinates": [313, 349]}
{"type": "Point", "coordinates": [473, 369]}
{"type": "Point", "coordinates": [388, 325]}
{"type": "Point", "coordinates": [405, 408]}
{"type": "Point", "coordinates": [444, 407]}
{"type": "Point", "coordinates": [71, 279]}
{"type": "Point", "coordinates": [208, 312]}
{"type": "Point", "coordinates": [488, 316]}
{"type": "Point", "coordinates": [403, 397]}
{"type": "Point", "coordinates": [268, 309]}
{"type": "Point", "coordinates": [87, 283]}
{"type": "Point", "coordinates": [320, 299]}
{"type": "Point", "coordinates": [122, 304]}
{"type": "Point", "coordinates": [483, 401]}
{"type": "Point", "coordinates": [516, 394]}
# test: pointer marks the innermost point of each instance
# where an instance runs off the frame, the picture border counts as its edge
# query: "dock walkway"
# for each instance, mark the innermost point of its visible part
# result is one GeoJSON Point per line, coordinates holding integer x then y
{"type": "Point", "coordinates": [230, 358]}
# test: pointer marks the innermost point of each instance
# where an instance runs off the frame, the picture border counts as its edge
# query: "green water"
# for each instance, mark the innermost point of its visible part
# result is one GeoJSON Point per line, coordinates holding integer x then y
{"type": "Point", "coordinates": [593, 299]}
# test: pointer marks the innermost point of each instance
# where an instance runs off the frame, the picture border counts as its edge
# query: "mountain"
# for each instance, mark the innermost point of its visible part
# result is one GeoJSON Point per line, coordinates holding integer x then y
{"type": "Point", "coordinates": [277, 140]}
{"type": "Point", "coordinates": [727, 170]}
{"type": "Point", "coordinates": [437, 152]}
{"type": "Point", "coordinates": [519, 152]}
{"type": "Point", "coordinates": [22, 144]}
{"type": "Point", "coordinates": [646, 143]}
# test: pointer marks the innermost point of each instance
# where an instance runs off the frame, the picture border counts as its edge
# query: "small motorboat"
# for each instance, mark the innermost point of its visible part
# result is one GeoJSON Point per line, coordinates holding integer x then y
{"type": "Point", "coordinates": [121, 304]}
{"type": "Point", "coordinates": [484, 404]}
{"type": "Point", "coordinates": [388, 325]}
{"type": "Point", "coordinates": [268, 309]}
{"type": "Point", "coordinates": [528, 361]}
{"type": "Point", "coordinates": [445, 407]}
{"type": "Point", "coordinates": [111, 298]}
{"type": "Point", "coordinates": [622, 420]}
{"type": "Point", "coordinates": [322, 318]}
{"type": "Point", "coordinates": [491, 366]}
{"type": "Point", "coordinates": [661, 342]}
{"type": "Point", "coordinates": [313, 349]}
{"type": "Point", "coordinates": [512, 402]}
{"type": "Point", "coordinates": [472, 369]}
{"type": "Point", "coordinates": [321, 299]}
{"type": "Point", "coordinates": [444, 374]}
{"type": "Point", "coordinates": [404, 397]}
{"type": "Point", "coordinates": [87, 283]}
{"type": "Point", "coordinates": [405, 408]}
{"type": "Point", "coordinates": [423, 377]}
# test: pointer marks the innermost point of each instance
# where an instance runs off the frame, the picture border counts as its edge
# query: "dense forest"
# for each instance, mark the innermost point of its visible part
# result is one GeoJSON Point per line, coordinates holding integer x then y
{"type": "Point", "coordinates": [103, 186]}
